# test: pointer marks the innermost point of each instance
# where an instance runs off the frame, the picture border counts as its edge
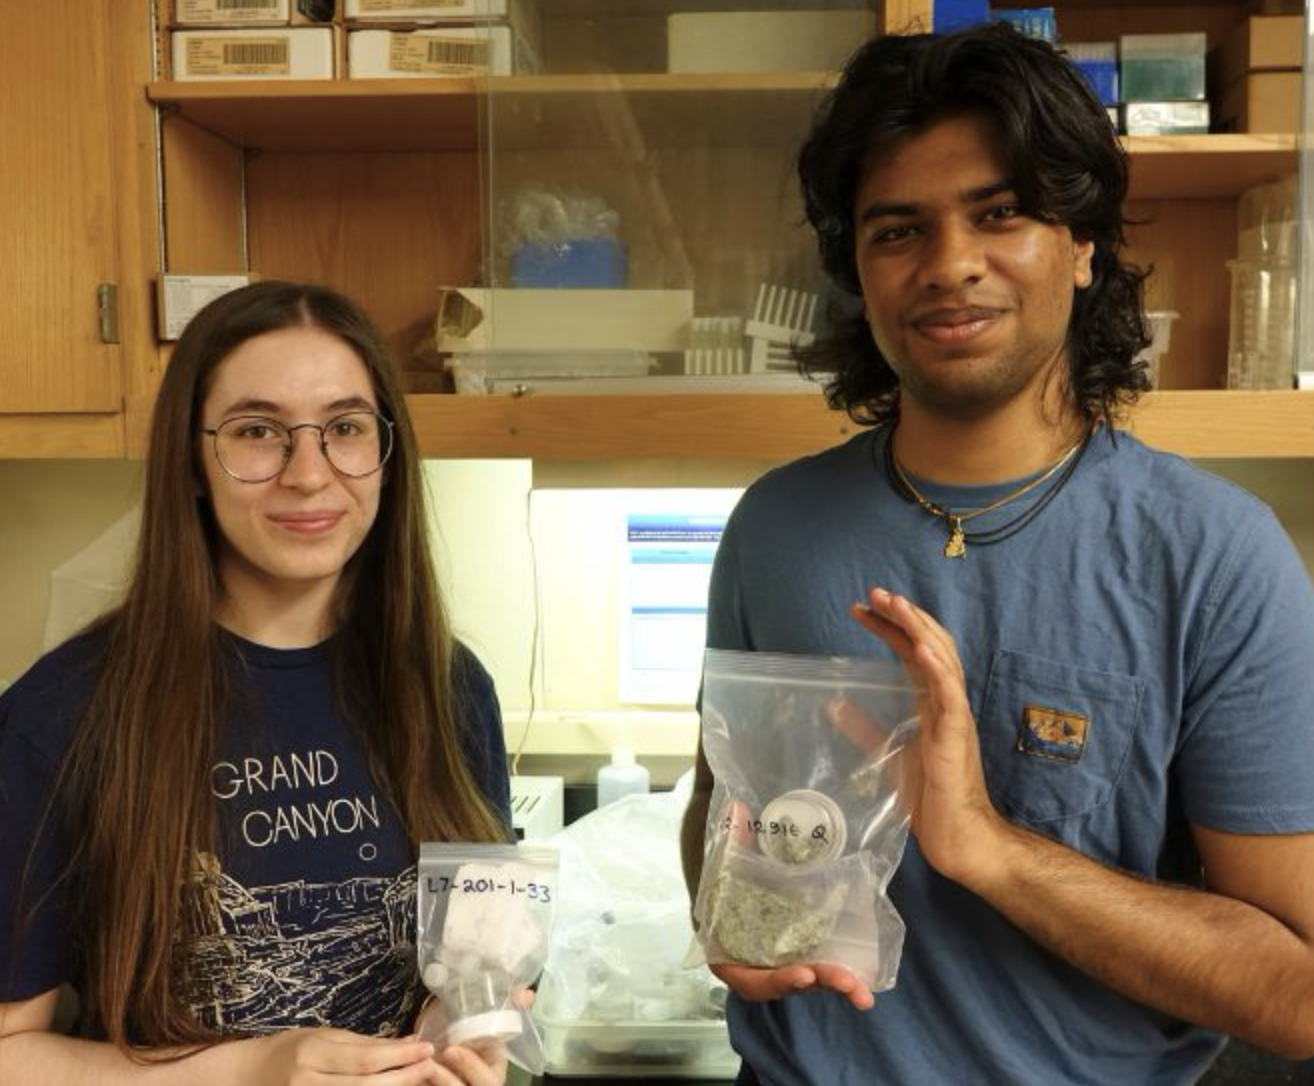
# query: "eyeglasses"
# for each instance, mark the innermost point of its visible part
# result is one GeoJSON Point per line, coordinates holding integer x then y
{"type": "Point", "coordinates": [255, 449]}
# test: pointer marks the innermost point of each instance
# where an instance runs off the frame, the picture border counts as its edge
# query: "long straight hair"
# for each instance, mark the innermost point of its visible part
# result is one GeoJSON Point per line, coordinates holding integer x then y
{"type": "Point", "coordinates": [138, 772]}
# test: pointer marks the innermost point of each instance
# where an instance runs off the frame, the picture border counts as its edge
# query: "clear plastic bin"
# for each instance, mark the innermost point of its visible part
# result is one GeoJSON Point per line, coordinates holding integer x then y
{"type": "Point", "coordinates": [688, 1049]}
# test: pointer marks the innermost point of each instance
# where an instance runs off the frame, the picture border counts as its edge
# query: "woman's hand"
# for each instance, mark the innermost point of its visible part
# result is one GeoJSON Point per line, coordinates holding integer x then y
{"type": "Point", "coordinates": [338, 1057]}
{"type": "Point", "coordinates": [471, 1065]}
{"type": "Point", "coordinates": [479, 1063]}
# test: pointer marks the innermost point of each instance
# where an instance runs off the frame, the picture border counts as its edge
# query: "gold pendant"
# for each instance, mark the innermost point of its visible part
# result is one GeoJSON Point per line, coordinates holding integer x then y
{"type": "Point", "coordinates": [956, 545]}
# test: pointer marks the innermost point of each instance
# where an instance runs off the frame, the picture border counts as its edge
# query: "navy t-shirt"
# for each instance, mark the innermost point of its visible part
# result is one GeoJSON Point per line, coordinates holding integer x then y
{"type": "Point", "coordinates": [304, 915]}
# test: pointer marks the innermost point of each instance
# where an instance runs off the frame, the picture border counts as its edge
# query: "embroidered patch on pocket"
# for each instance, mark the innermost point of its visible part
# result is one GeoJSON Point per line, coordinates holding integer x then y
{"type": "Point", "coordinates": [1053, 733]}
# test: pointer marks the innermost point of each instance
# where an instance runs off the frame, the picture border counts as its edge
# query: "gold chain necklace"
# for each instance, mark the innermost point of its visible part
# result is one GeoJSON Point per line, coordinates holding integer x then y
{"type": "Point", "coordinates": [956, 545]}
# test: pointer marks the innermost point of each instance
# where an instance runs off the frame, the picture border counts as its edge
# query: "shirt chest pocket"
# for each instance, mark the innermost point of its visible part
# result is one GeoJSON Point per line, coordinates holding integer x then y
{"type": "Point", "coordinates": [1055, 737]}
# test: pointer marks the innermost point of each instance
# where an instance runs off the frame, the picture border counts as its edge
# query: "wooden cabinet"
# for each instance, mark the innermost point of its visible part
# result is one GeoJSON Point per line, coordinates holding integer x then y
{"type": "Point", "coordinates": [68, 224]}
{"type": "Point", "coordinates": [387, 189]}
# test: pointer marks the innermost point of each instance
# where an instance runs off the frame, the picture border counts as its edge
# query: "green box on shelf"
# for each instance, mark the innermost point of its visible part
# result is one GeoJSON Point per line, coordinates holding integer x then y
{"type": "Point", "coordinates": [1162, 67]}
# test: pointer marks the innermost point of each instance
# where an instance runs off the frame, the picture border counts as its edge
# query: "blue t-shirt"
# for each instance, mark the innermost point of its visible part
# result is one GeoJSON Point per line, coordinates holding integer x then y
{"type": "Point", "coordinates": [305, 913]}
{"type": "Point", "coordinates": [1162, 606]}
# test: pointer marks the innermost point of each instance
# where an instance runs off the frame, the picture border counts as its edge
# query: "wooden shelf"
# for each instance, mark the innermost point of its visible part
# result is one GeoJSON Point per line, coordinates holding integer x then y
{"type": "Point", "coordinates": [61, 437]}
{"type": "Point", "coordinates": [1228, 425]}
{"type": "Point", "coordinates": [675, 426]}
{"type": "Point", "coordinates": [524, 111]}
{"type": "Point", "coordinates": [1212, 425]}
{"type": "Point", "coordinates": [628, 112]}
{"type": "Point", "coordinates": [1142, 4]}
{"type": "Point", "coordinates": [1203, 167]}
{"type": "Point", "coordinates": [767, 428]}
{"type": "Point", "coordinates": [331, 115]}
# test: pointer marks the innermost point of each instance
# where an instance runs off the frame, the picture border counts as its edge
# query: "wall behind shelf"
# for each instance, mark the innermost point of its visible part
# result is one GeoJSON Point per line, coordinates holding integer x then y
{"type": "Point", "coordinates": [55, 509]}
{"type": "Point", "coordinates": [52, 510]}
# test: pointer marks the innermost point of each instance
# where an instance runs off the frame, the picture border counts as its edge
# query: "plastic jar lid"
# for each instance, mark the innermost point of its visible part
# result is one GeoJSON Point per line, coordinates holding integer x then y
{"type": "Point", "coordinates": [803, 827]}
{"type": "Point", "coordinates": [492, 1026]}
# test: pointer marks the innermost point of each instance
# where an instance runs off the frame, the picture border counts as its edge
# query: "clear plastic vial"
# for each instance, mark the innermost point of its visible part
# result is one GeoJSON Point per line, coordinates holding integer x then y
{"type": "Point", "coordinates": [1261, 332]}
{"type": "Point", "coordinates": [623, 776]}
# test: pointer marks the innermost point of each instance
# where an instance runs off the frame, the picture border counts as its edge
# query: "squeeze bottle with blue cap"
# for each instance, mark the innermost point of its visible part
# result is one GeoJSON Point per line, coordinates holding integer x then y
{"type": "Point", "coordinates": [623, 776]}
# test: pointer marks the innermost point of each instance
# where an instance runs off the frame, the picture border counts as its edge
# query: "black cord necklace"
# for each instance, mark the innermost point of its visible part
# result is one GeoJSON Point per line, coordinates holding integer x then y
{"type": "Point", "coordinates": [959, 537]}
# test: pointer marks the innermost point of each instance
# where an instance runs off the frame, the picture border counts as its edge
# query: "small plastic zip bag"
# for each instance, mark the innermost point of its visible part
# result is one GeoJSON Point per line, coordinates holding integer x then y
{"type": "Point", "coordinates": [485, 917]}
{"type": "Point", "coordinates": [812, 758]}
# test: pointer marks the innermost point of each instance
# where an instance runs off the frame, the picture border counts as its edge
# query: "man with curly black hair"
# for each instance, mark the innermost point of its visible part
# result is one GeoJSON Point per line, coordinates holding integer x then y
{"type": "Point", "coordinates": [1112, 859]}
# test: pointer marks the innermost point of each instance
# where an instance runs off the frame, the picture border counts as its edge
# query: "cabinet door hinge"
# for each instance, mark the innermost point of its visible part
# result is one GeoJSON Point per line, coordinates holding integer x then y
{"type": "Point", "coordinates": [107, 310]}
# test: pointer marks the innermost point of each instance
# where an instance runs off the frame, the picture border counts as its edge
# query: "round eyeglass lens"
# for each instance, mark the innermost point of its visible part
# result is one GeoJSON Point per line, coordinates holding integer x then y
{"type": "Point", "coordinates": [251, 449]}
{"type": "Point", "coordinates": [358, 443]}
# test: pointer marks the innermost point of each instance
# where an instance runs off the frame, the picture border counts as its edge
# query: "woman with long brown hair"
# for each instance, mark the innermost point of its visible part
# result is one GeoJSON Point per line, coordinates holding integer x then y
{"type": "Point", "coordinates": [210, 802]}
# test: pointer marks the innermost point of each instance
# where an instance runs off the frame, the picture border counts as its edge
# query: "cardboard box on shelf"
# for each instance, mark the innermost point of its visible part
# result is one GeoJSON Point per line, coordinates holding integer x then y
{"type": "Point", "coordinates": [272, 53]}
{"type": "Point", "coordinates": [406, 11]}
{"type": "Point", "coordinates": [520, 53]}
{"type": "Point", "coordinates": [1277, 7]}
{"type": "Point", "coordinates": [1161, 67]}
{"type": "Point", "coordinates": [1260, 102]}
{"type": "Point", "coordinates": [501, 319]}
{"type": "Point", "coordinates": [230, 13]}
{"type": "Point", "coordinates": [437, 52]}
{"type": "Point", "coordinates": [765, 41]}
{"type": "Point", "coordinates": [1259, 44]}
{"type": "Point", "coordinates": [1164, 118]}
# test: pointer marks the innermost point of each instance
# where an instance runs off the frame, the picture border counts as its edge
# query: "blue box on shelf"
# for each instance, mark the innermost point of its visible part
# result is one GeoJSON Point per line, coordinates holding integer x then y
{"type": "Point", "coordinates": [949, 15]}
{"type": "Point", "coordinates": [583, 263]}
{"type": "Point", "coordinates": [1098, 62]}
{"type": "Point", "coordinates": [1033, 22]}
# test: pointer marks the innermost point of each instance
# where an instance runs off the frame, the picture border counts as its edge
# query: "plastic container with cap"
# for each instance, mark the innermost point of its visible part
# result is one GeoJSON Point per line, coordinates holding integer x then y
{"type": "Point", "coordinates": [622, 776]}
{"type": "Point", "coordinates": [804, 827]}
{"type": "Point", "coordinates": [474, 1007]}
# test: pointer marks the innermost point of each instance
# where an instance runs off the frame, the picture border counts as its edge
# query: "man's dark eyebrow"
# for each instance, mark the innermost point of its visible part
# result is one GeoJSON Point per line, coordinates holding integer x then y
{"type": "Point", "coordinates": [880, 210]}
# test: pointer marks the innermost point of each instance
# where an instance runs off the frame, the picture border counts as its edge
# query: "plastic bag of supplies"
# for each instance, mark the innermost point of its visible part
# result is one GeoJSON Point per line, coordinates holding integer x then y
{"type": "Point", "coordinates": [806, 825]}
{"type": "Point", "coordinates": [485, 917]}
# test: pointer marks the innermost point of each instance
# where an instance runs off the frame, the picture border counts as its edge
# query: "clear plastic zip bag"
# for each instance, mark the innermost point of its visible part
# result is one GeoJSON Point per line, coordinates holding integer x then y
{"type": "Point", "coordinates": [812, 757]}
{"type": "Point", "coordinates": [485, 917]}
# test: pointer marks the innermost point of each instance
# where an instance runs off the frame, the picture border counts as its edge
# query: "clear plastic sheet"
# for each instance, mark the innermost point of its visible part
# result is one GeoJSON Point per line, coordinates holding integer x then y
{"type": "Point", "coordinates": [617, 997]}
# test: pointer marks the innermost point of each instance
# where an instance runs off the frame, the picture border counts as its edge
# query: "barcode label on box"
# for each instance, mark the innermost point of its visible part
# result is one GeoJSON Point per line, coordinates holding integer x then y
{"type": "Point", "coordinates": [264, 55]}
{"type": "Point", "coordinates": [232, 11]}
{"type": "Point", "coordinates": [239, 56]}
{"type": "Point", "coordinates": [406, 5]}
{"type": "Point", "coordinates": [439, 55]}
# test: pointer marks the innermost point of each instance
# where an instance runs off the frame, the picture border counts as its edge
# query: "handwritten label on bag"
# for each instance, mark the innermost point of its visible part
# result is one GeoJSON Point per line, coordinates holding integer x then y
{"type": "Point", "coordinates": [447, 884]}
